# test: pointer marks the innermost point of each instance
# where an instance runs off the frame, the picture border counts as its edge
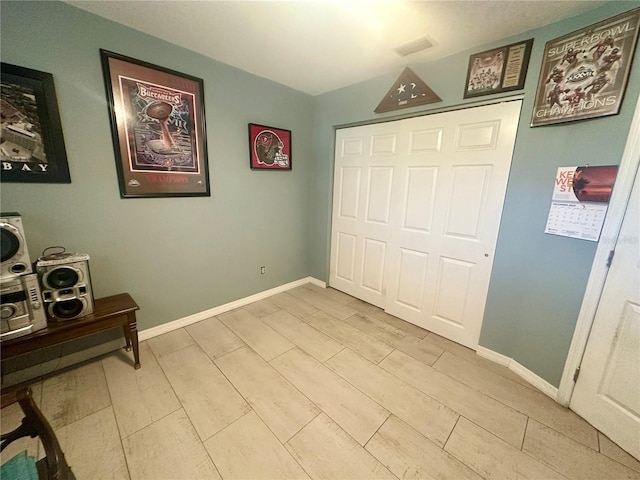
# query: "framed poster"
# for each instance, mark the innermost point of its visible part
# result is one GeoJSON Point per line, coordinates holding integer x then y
{"type": "Point", "coordinates": [158, 128]}
{"type": "Point", "coordinates": [32, 148]}
{"type": "Point", "coordinates": [498, 70]}
{"type": "Point", "coordinates": [269, 147]}
{"type": "Point", "coordinates": [584, 73]}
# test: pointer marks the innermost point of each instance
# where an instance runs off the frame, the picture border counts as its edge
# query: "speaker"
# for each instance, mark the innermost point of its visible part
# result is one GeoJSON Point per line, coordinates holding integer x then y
{"type": "Point", "coordinates": [66, 285]}
{"type": "Point", "coordinates": [15, 256]}
{"type": "Point", "coordinates": [21, 308]}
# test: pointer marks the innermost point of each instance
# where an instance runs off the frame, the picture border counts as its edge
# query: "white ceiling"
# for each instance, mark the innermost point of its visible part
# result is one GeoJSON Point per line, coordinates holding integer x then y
{"type": "Point", "coordinates": [319, 46]}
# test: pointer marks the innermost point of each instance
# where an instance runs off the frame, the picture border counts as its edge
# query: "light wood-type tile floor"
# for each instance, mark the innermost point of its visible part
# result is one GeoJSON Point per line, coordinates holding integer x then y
{"type": "Point", "coordinates": [312, 383]}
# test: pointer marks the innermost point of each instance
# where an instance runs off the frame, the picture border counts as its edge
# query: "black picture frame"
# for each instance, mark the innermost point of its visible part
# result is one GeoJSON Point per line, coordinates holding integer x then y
{"type": "Point", "coordinates": [584, 73]}
{"type": "Point", "coordinates": [269, 148]}
{"type": "Point", "coordinates": [158, 129]}
{"type": "Point", "coordinates": [502, 69]}
{"type": "Point", "coordinates": [32, 148]}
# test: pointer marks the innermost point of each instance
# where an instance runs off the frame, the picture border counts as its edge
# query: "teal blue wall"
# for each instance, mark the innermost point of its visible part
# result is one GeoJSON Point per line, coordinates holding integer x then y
{"type": "Point", "coordinates": [538, 280]}
{"type": "Point", "coordinates": [179, 256]}
{"type": "Point", "coordinates": [176, 256]}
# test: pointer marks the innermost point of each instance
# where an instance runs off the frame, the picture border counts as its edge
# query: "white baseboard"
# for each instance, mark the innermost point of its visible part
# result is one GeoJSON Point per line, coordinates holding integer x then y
{"type": "Point", "coordinates": [523, 372]}
{"type": "Point", "coordinates": [212, 312]}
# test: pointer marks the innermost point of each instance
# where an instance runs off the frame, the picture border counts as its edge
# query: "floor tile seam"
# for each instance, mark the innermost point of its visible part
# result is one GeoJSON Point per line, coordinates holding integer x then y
{"type": "Point", "coordinates": [290, 450]}
{"type": "Point", "coordinates": [411, 385]}
{"type": "Point", "coordinates": [392, 344]}
{"type": "Point", "coordinates": [115, 419]}
{"type": "Point", "coordinates": [542, 460]}
{"type": "Point", "coordinates": [314, 328]}
{"type": "Point", "coordinates": [370, 334]}
{"type": "Point", "coordinates": [635, 469]}
{"type": "Point", "coordinates": [319, 307]}
{"type": "Point", "coordinates": [235, 388]}
{"type": "Point", "coordinates": [556, 429]}
{"type": "Point", "coordinates": [173, 389]}
{"type": "Point", "coordinates": [164, 374]}
{"type": "Point", "coordinates": [576, 442]}
{"type": "Point", "coordinates": [338, 352]}
{"type": "Point", "coordinates": [456, 381]}
{"type": "Point", "coordinates": [158, 356]}
{"type": "Point", "coordinates": [347, 325]}
{"type": "Point", "coordinates": [504, 443]}
{"type": "Point", "coordinates": [377, 430]}
{"type": "Point", "coordinates": [224, 325]}
{"type": "Point", "coordinates": [91, 361]}
{"type": "Point", "coordinates": [355, 386]}
{"type": "Point", "coordinates": [500, 374]}
{"type": "Point", "coordinates": [436, 399]}
{"type": "Point", "coordinates": [490, 392]}
{"type": "Point", "coordinates": [241, 337]}
{"type": "Point", "coordinates": [204, 447]}
{"type": "Point", "coordinates": [246, 400]}
{"type": "Point", "coordinates": [376, 401]}
{"type": "Point", "coordinates": [322, 410]}
{"type": "Point", "coordinates": [295, 298]}
{"type": "Point", "coordinates": [459, 459]}
{"type": "Point", "coordinates": [293, 435]}
{"type": "Point", "coordinates": [350, 436]}
{"type": "Point", "coordinates": [524, 411]}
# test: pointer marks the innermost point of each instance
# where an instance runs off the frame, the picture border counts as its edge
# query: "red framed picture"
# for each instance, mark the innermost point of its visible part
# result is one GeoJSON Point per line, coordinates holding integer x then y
{"type": "Point", "coordinates": [158, 128]}
{"type": "Point", "coordinates": [269, 147]}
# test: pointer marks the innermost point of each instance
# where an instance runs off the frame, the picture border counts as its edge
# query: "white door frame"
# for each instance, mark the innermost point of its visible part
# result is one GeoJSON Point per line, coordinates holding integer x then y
{"type": "Point", "coordinates": [610, 231]}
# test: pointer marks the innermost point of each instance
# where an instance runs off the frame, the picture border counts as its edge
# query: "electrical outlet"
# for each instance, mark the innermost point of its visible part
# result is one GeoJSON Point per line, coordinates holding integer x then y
{"type": "Point", "coordinates": [263, 270]}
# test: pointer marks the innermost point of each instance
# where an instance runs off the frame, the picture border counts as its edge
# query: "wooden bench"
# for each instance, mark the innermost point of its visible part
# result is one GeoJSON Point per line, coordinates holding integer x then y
{"type": "Point", "coordinates": [108, 312]}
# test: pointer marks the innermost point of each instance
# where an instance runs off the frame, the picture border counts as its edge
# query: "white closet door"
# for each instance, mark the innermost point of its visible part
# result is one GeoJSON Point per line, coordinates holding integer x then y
{"type": "Point", "coordinates": [607, 392]}
{"type": "Point", "coordinates": [364, 174]}
{"type": "Point", "coordinates": [438, 184]}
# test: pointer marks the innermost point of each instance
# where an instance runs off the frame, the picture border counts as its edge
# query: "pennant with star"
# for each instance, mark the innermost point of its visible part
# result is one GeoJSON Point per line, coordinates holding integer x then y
{"type": "Point", "coordinates": [408, 91]}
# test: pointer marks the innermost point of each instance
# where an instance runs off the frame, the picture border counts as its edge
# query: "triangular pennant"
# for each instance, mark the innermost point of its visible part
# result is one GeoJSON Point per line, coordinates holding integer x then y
{"type": "Point", "coordinates": [408, 91]}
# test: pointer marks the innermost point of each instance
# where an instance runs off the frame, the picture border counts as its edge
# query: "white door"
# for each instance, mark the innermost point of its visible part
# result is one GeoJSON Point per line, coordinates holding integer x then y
{"type": "Point", "coordinates": [416, 210]}
{"type": "Point", "coordinates": [607, 392]}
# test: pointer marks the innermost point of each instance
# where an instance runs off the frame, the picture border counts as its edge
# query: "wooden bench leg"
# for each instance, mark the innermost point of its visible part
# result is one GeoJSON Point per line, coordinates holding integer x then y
{"type": "Point", "coordinates": [133, 339]}
{"type": "Point", "coordinates": [127, 335]}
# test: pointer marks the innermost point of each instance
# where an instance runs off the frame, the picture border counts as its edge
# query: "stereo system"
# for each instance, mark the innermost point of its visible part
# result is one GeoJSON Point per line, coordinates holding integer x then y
{"type": "Point", "coordinates": [15, 256]}
{"type": "Point", "coordinates": [58, 290]}
{"type": "Point", "coordinates": [66, 285]}
{"type": "Point", "coordinates": [21, 308]}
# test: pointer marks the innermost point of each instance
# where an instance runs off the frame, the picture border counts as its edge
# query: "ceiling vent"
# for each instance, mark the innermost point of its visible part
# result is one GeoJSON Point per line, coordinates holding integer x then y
{"type": "Point", "coordinates": [413, 47]}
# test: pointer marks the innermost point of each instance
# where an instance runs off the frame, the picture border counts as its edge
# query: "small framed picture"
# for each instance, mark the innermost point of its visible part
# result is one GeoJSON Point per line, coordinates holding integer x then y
{"type": "Point", "coordinates": [32, 149]}
{"type": "Point", "coordinates": [269, 147]}
{"type": "Point", "coordinates": [158, 128]}
{"type": "Point", "coordinates": [499, 70]}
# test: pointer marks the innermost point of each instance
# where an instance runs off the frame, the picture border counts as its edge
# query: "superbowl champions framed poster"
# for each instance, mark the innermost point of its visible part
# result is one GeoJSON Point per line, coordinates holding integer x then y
{"type": "Point", "coordinates": [158, 128]}
{"type": "Point", "coordinates": [584, 73]}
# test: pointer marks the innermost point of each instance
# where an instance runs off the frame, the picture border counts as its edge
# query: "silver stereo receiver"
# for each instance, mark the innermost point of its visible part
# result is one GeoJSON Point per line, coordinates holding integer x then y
{"type": "Point", "coordinates": [21, 309]}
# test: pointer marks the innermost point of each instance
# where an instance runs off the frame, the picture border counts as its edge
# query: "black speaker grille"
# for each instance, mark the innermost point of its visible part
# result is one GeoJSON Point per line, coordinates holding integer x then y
{"type": "Point", "coordinates": [9, 244]}
{"type": "Point", "coordinates": [67, 308]}
{"type": "Point", "coordinates": [62, 277]}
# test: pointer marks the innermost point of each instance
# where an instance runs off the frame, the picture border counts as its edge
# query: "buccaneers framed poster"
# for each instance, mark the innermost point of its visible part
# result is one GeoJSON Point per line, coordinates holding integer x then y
{"type": "Point", "coordinates": [584, 73]}
{"type": "Point", "coordinates": [158, 129]}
